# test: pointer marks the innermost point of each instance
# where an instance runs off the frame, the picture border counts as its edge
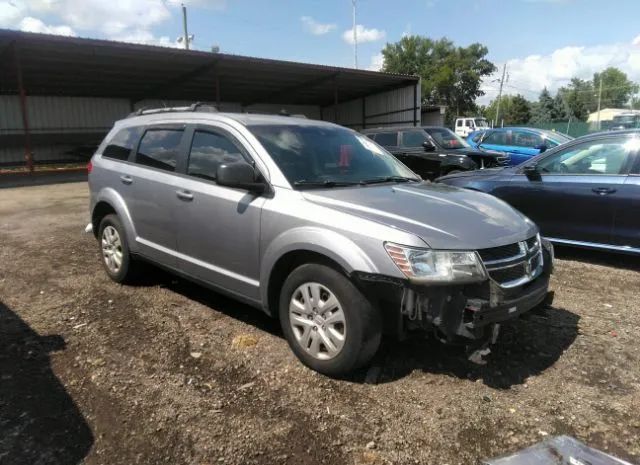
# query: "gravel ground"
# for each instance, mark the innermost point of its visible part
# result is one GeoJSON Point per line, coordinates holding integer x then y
{"type": "Point", "coordinates": [167, 372]}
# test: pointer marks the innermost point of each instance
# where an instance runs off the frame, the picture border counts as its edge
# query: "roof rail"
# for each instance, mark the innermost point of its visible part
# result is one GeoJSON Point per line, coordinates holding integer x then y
{"type": "Point", "coordinates": [195, 107]}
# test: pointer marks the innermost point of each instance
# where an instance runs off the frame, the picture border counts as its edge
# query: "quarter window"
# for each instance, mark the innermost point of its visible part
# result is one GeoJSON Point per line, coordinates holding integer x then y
{"type": "Point", "coordinates": [387, 139]}
{"type": "Point", "coordinates": [413, 138]}
{"type": "Point", "coordinates": [159, 149]}
{"type": "Point", "coordinates": [208, 151]}
{"type": "Point", "coordinates": [120, 145]}
{"type": "Point", "coordinates": [605, 157]}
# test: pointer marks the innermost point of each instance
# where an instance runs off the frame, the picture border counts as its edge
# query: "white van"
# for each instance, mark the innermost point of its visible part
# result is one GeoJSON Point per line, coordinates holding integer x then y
{"type": "Point", "coordinates": [465, 126]}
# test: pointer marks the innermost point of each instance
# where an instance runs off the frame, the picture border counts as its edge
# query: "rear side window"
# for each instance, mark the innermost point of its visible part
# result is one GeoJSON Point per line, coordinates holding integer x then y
{"type": "Point", "coordinates": [387, 139]}
{"type": "Point", "coordinates": [120, 145]}
{"type": "Point", "coordinates": [159, 149]}
{"type": "Point", "coordinates": [208, 151]}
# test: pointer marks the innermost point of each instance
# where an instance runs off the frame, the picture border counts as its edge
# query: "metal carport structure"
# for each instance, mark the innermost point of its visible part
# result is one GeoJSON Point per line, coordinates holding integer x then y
{"type": "Point", "coordinates": [55, 88]}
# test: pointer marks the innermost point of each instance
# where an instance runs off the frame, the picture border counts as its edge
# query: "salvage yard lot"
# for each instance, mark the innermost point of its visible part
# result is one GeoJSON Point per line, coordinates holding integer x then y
{"type": "Point", "coordinates": [168, 372]}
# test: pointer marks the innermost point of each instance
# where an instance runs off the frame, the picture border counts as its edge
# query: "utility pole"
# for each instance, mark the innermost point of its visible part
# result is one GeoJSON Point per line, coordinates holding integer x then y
{"type": "Point", "coordinates": [599, 100]}
{"type": "Point", "coordinates": [355, 35]}
{"type": "Point", "coordinates": [184, 25]}
{"type": "Point", "coordinates": [504, 71]}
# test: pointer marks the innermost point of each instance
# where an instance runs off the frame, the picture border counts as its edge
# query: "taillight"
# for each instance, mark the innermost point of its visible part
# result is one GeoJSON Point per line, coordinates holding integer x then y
{"type": "Point", "coordinates": [89, 167]}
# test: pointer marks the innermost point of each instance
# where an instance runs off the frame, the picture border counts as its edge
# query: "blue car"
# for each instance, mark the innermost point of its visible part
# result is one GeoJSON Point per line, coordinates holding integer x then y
{"type": "Point", "coordinates": [585, 193]}
{"type": "Point", "coordinates": [520, 143]}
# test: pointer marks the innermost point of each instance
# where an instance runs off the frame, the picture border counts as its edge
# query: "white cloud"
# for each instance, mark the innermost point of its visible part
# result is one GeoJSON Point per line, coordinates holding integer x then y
{"type": "Point", "coordinates": [145, 37]}
{"type": "Point", "coordinates": [377, 61]}
{"type": "Point", "coordinates": [30, 24]}
{"type": "Point", "coordinates": [11, 12]}
{"type": "Point", "coordinates": [114, 19]}
{"type": "Point", "coordinates": [364, 34]}
{"type": "Point", "coordinates": [316, 28]}
{"type": "Point", "coordinates": [211, 4]}
{"type": "Point", "coordinates": [529, 75]}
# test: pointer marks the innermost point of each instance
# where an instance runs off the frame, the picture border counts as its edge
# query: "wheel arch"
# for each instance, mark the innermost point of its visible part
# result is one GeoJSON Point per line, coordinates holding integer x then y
{"type": "Point", "coordinates": [108, 202]}
{"type": "Point", "coordinates": [307, 245]}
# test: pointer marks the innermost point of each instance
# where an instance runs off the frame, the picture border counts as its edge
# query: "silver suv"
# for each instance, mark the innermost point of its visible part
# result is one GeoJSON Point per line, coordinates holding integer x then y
{"type": "Point", "coordinates": [316, 225]}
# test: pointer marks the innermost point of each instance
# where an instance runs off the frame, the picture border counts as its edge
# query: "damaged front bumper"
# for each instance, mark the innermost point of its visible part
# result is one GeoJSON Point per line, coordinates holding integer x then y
{"type": "Point", "coordinates": [469, 314]}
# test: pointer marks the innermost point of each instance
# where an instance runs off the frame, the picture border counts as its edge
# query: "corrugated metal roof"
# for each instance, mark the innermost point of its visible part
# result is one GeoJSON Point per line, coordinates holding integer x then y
{"type": "Point", "coordinates": [57, 65]}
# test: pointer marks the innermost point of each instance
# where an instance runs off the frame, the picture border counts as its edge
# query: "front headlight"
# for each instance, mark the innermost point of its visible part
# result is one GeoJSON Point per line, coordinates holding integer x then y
{"type": "Point", "coordinates": [437, 266]}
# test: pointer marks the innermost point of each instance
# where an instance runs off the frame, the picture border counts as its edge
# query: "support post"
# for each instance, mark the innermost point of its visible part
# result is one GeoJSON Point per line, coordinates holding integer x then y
{"type": "Point", "coordinates": [217, 91]}
{"type": "Point", "coordinates": [416, 106]}
{"type": "Point", "coordinates": [28, 154]}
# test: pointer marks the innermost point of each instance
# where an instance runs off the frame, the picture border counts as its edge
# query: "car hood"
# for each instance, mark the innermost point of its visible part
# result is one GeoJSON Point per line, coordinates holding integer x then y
{"type": "Point", "coordinates": [444, 217]}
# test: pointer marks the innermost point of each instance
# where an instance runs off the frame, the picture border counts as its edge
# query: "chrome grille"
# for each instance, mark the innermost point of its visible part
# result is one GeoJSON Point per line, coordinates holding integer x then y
{"type": "Point", "coordinates": [514, 264]}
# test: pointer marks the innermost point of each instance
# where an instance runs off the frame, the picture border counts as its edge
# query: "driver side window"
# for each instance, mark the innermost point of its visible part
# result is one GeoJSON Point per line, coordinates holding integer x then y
{"type": "Point", "coordinates": [604, 157]}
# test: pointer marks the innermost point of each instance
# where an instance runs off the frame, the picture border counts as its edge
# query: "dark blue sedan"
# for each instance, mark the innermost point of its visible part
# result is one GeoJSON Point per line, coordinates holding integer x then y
{"type": "Point", "coordinates": [585, 193]}
{"type": "Point", "coordinates": [520, 143]}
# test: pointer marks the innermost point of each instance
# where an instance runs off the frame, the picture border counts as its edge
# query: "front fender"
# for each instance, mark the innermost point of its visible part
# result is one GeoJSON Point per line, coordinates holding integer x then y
{"type": "Point", "coordinates": [331, 244]}
{"type": "Point", "coordinates": [114, 199]}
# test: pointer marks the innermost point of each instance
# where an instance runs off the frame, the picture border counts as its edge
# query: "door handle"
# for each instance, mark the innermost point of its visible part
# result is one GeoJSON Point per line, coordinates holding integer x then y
{"type": "Point", "coordinates": [603, 190]}
{"type": "Point", "coordinates": [126, 179]}
{"type": "Point", "coordinates": [185, 195]}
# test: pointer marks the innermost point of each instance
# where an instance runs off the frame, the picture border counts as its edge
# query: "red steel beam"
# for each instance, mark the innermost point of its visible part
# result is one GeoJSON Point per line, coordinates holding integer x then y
{"type": "Point", "coordinates": [28, 154]}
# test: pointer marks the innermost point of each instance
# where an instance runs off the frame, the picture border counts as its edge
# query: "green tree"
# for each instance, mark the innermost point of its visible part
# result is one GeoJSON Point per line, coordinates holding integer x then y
{"type": "Point", "coordinates": [514, 109]}
{"type": "Point", "coordinates": [579, 98]}
{"type": "Point", "coordinates": [518, 111]}
{"type": "Point", "coordinates": [543, 110]}
{"type": "Point", "coordinates": [560, 111]}
{"type": "Point", "coordinates": [450, 75]}
{"type": "Point", "coordinates": [617, 89]}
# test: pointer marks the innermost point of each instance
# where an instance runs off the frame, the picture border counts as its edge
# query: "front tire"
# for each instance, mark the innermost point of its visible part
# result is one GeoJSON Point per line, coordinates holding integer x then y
{"type": "Point", "coordinates": [329, 324]}
{"type": "Point", "coordinates": [114, 250]}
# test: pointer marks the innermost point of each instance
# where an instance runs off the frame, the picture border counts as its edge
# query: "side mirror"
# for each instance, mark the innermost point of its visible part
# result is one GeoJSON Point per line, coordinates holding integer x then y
{"type": "Point", "coordinates": [241, 175]}
{"type": "Point", "coordinates": [532, 173]}
{"type": "Point", "coordinates": [428, 146]}
{"type": "Point", "coordinates": [541, 147]}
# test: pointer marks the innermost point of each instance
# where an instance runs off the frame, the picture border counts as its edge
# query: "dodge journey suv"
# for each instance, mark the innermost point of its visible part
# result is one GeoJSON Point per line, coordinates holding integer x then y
{"type": "Point", "coordinates": [316, 225]}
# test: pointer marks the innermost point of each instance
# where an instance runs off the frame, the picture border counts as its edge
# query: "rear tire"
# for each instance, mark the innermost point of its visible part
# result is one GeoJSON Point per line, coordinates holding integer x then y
{"type": "Point", "coordinates": [114, 250]}
{"type": "Point", "coordinates": [329, 324]}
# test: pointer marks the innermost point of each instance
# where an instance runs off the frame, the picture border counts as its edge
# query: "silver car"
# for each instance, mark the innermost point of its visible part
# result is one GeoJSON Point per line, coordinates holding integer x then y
{"type": "Point", "coordinates": [316, 225]}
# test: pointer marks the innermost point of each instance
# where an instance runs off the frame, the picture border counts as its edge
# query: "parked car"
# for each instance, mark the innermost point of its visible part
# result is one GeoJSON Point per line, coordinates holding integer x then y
{"type": "Point", "coordinates": [584, 193]}
{"type": "Point", "coordinates": [433, 151]}
{"type": "Point", "coordinates": [520, 143]}
{"type": "Point", "coordinates": [316, 225]}
{"type": "Point", "coordinates": [465, 126]}
{"type": "Point", "coordinates": [629, 120]}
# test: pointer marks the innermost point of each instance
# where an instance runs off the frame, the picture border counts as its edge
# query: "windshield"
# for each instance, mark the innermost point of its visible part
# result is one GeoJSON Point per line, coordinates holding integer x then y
{"type": "Point", "coordinates": [328, 156]}
{"type": "Point", "coordinates": [447, 138]}
{"type": "Point", "coordinates": [625, 119]}
{"type": "Point", "coordinates": [481, 123]}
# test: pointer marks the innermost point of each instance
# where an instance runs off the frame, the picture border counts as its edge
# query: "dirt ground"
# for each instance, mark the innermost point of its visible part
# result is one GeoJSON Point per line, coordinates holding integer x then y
{"type": "Point", "coordinates": [167, 372]}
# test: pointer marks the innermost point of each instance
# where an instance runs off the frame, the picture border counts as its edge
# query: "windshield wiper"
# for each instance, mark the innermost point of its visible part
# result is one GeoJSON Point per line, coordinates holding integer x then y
{"type": "Point", "coordinates": [389, 179]}
{"type": "Point", "coordinates": [325, 183]}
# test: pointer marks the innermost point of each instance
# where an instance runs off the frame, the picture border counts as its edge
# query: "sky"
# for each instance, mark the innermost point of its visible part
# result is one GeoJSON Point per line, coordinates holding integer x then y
{"type": "Point", "coordinates": [544, 42]}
